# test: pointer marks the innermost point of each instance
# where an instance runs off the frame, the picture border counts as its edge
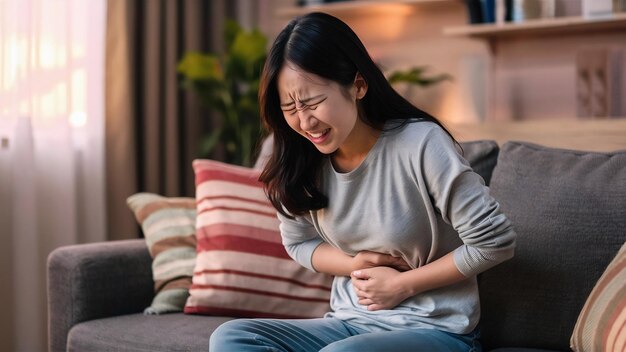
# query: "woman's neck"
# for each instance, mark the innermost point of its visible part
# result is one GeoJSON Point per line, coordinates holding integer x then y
{"type": "Point", "coordinates": [355, 149]}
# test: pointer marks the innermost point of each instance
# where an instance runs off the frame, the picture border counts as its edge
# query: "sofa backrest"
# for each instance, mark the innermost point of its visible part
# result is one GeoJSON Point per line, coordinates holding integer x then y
{"type": "Point", "coordinates": [569, 211]}
{"type": "Point", "coordinates": [481, 154]}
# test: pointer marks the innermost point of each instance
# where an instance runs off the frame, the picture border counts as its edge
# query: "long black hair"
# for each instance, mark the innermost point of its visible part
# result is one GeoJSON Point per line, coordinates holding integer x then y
{"type": "Point", "coordinates": [321, 44]}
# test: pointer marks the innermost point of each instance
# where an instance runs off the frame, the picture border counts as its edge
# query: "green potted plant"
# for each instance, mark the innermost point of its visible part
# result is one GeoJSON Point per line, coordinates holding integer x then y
{"type": "Point", "coordinates": [229, 85]}
{"type": "Point", "coordinates": [416, 76]}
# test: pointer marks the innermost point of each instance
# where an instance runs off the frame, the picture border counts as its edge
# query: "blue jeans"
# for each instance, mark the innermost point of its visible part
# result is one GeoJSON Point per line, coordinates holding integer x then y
{"type": "Point", "coordinates": [330, 335]}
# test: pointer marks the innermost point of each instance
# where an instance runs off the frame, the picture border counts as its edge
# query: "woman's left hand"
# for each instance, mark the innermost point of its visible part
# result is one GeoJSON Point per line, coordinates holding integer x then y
{"type": "Point", "coordinates": [379, 288]}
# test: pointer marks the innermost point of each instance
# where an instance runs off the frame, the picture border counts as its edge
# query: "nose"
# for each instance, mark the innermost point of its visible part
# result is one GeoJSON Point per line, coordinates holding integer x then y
{"type": "Point", "coordinates": [307, 120]}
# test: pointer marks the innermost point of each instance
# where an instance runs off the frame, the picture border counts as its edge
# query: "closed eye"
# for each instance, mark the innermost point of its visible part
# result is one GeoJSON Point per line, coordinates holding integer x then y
{"type": "Point", "coordinates": [313, 106]}
{"type": "Point", "coordinates": [292, 108]}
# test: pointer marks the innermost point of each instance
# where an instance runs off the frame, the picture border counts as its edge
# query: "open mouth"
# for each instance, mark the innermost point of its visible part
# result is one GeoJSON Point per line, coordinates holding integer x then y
{"type": "Point", "coordinates": [317, 135]}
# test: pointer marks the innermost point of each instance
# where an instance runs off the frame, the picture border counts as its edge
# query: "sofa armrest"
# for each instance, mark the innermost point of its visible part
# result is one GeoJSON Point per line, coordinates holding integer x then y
{"type": "Point", "coordinates": [97, 280]}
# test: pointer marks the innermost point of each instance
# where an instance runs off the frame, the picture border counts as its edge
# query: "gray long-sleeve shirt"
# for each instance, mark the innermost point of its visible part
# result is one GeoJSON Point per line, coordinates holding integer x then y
{"type": "Point", "coordinates": [414, 196]}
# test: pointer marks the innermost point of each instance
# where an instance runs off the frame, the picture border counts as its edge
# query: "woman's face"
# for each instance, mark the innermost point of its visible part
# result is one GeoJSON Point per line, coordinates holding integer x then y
{"type": "Point", "coordinates": [321, 110]}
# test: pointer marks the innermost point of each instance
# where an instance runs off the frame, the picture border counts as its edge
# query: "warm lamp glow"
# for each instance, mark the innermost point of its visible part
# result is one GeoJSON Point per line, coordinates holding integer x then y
{"type": "Point", "coordinates": [386, 22]}
{"type": "Point", "coordinates": [392, 9]}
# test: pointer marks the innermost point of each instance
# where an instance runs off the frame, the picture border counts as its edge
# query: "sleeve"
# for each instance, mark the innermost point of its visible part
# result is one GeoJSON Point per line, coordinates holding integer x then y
{"type": "Point", "coordinates": [300, 239]}
{"type": "Point", "coordinates": [463, 200]}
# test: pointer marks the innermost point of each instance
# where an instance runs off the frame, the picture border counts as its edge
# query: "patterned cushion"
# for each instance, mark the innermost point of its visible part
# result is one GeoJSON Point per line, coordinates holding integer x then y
{"type": "Point", "coordinates": [600, 325]}
{"type": "Point", "coordinates": [242, 268]}
{"type": "Point", "coordinates": [168, 226]}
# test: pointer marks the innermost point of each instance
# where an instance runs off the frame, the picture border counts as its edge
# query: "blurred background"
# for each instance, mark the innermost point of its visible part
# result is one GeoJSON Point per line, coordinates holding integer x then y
{"type": "Point", "coordinates": [102, 99]}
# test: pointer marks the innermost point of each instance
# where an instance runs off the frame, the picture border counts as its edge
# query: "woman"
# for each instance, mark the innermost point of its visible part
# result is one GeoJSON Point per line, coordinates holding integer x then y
{"type": "Point", "coordinates": [374, 191]}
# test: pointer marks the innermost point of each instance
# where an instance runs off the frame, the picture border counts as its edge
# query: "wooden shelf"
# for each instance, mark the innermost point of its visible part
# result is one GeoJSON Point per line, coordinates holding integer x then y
{"type": "Point", "coordinates": [601, 135]}
{"type": "Point", "coordinates": [360, 6]}
{"type": "Point", "coordinates": [560, 25]}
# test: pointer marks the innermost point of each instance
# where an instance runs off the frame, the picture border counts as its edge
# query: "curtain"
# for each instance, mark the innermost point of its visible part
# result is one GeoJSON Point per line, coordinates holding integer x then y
{"type": "Point", "coordinates": [51, 150]}
{"type": "Point", "coordinates": [153, 127]}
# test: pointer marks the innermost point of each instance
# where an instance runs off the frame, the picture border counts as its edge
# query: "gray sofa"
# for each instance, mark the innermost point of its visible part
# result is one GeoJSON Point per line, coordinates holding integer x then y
{"type": "Point", "coordinates": [568, 207]}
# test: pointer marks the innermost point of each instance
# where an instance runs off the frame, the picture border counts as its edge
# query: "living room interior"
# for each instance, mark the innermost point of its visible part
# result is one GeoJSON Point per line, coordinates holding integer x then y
{"type": "Point", "coordinates": [94, 107]}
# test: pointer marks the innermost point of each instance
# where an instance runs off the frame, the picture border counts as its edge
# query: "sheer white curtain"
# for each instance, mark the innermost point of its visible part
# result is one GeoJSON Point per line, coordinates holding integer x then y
{"type": "Point", "coordinates": [51, 150]}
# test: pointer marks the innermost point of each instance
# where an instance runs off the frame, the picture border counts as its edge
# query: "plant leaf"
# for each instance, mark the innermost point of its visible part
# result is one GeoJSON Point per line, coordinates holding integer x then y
{"type": "Point", "coordinates": [417, 77]}
{"type": "Point", "coordinates": [249, 47]}
{"type": "Point", "coordinates": [229, 85]}
{"type": "Point", "coordinates": [198, 66]}
{"type": "Point", "coordinates": [231, 30]}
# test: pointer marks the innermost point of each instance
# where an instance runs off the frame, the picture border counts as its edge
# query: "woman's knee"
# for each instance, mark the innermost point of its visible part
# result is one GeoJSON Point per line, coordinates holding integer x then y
{"type": "Point", "coordinates": [402, 340]}
{"type": "Point", "coordinates": [230, 332]}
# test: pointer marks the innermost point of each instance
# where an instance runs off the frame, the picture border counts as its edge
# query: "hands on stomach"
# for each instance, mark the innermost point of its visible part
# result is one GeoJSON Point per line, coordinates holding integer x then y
{"type": "Point", "coordinates": [376, 278]}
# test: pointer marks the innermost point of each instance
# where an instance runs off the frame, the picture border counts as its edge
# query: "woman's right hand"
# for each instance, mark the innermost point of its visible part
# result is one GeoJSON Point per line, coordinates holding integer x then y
{"type": "Point", "coordinates": [368, 259]}
{"type": "Point", "coordinates": [331, 260]}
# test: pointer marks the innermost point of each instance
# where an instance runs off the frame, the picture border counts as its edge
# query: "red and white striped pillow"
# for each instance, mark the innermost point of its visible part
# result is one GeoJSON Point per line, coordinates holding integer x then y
{"type": "Point", "coordinates": [242, 268]}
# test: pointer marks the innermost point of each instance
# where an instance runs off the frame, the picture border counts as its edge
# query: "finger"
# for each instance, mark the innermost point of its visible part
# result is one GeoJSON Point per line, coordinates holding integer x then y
{"type": "Point", "coordinates": [401, 264]}
{"type": "Point", "coordinates": [378, 259]}
{"type": "Point", "coordinates": [358, 285]}
{"type": "Point", "coordinates": [387, 260]}
{"type": "Point", "coordinates": [360, 293]}
{"type": "Point", "coordinates": [374, 306]}
{"type": "Point", "coordinates": [366, 302]}
{"type": "Point", "coordinates": [360, 274]}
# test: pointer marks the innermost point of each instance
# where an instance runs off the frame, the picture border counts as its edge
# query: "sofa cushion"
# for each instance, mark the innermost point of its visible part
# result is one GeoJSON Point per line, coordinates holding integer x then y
{"type": "Point", "coordinates": [569, 211]}
{"type": "Point", "coordinates": [242, 268]}
{"type": "Point", "coordinates": [145, 333]}
{"type": "Point", "coordinates": [482, 156]}
{"type": "Point", "coordinates": [601, 324]}
{"type": "Point", "coordinates": [168, 225]}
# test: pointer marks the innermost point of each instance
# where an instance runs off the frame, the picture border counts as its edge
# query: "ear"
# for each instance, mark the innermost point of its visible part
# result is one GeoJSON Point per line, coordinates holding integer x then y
{"type": "Point", "coordinates": [361, 86]}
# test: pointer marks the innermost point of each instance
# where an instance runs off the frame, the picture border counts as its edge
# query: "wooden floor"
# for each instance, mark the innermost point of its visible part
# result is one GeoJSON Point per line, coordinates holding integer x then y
{"type": "Point", "coordinates": [594, 135]}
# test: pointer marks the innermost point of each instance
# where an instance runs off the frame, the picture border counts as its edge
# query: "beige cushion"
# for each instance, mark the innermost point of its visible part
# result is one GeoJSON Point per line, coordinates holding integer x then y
{"type": "Point", "coordinates": [168, 225]}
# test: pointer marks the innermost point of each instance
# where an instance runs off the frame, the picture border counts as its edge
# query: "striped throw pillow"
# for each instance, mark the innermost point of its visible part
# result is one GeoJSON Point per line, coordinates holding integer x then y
{"type": "Point", "coordinates": [168, 225]}
{"type": "Point", "coordinates": [601, 325]}
{"type": "Point", "coordinates": [242, 268]}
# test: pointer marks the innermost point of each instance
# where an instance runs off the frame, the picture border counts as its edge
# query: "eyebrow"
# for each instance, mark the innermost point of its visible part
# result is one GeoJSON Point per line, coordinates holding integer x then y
{"type": "Point", "coordinates": [302, 101]}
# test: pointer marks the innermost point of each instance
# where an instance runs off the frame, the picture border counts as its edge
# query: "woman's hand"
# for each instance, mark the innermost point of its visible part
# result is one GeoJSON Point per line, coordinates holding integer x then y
{"type": "Point", "coordinates": [384, 288]}
{"type": "Point", "coordinates": [367, 259]}
{"type": "Point", "coordinates": [380, 287]}
{"type": "Point", "coordinates": [331, 260]}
